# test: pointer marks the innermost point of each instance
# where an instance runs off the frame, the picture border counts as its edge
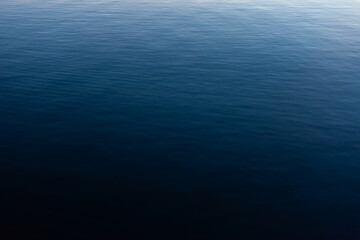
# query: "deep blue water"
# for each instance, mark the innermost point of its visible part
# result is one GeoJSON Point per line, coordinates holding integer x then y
{"type": "Point", "coordinates": [154, 119]}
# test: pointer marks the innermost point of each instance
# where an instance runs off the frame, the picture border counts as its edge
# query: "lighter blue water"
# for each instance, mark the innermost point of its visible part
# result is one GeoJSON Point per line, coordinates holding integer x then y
{"type": "Point", "coordinates": [180, 119]}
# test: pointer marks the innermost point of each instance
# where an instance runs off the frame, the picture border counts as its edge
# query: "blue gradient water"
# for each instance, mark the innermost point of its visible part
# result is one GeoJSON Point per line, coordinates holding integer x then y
{"type": "Point", "coordinates": [150, 119]}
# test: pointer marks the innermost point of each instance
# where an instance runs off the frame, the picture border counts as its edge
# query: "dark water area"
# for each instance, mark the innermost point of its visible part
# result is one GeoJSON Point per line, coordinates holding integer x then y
{"type": "Point", "coordinates": [178, 119]}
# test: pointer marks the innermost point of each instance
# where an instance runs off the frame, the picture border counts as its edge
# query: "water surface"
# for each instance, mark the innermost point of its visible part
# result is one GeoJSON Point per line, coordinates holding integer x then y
{"type": "Point", "coordinates": [175, 119]}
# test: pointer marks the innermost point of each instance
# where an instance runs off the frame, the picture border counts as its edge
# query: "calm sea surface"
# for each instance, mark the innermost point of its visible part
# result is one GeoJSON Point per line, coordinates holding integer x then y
{"type": "Point", "coordinates": [195, 119]}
